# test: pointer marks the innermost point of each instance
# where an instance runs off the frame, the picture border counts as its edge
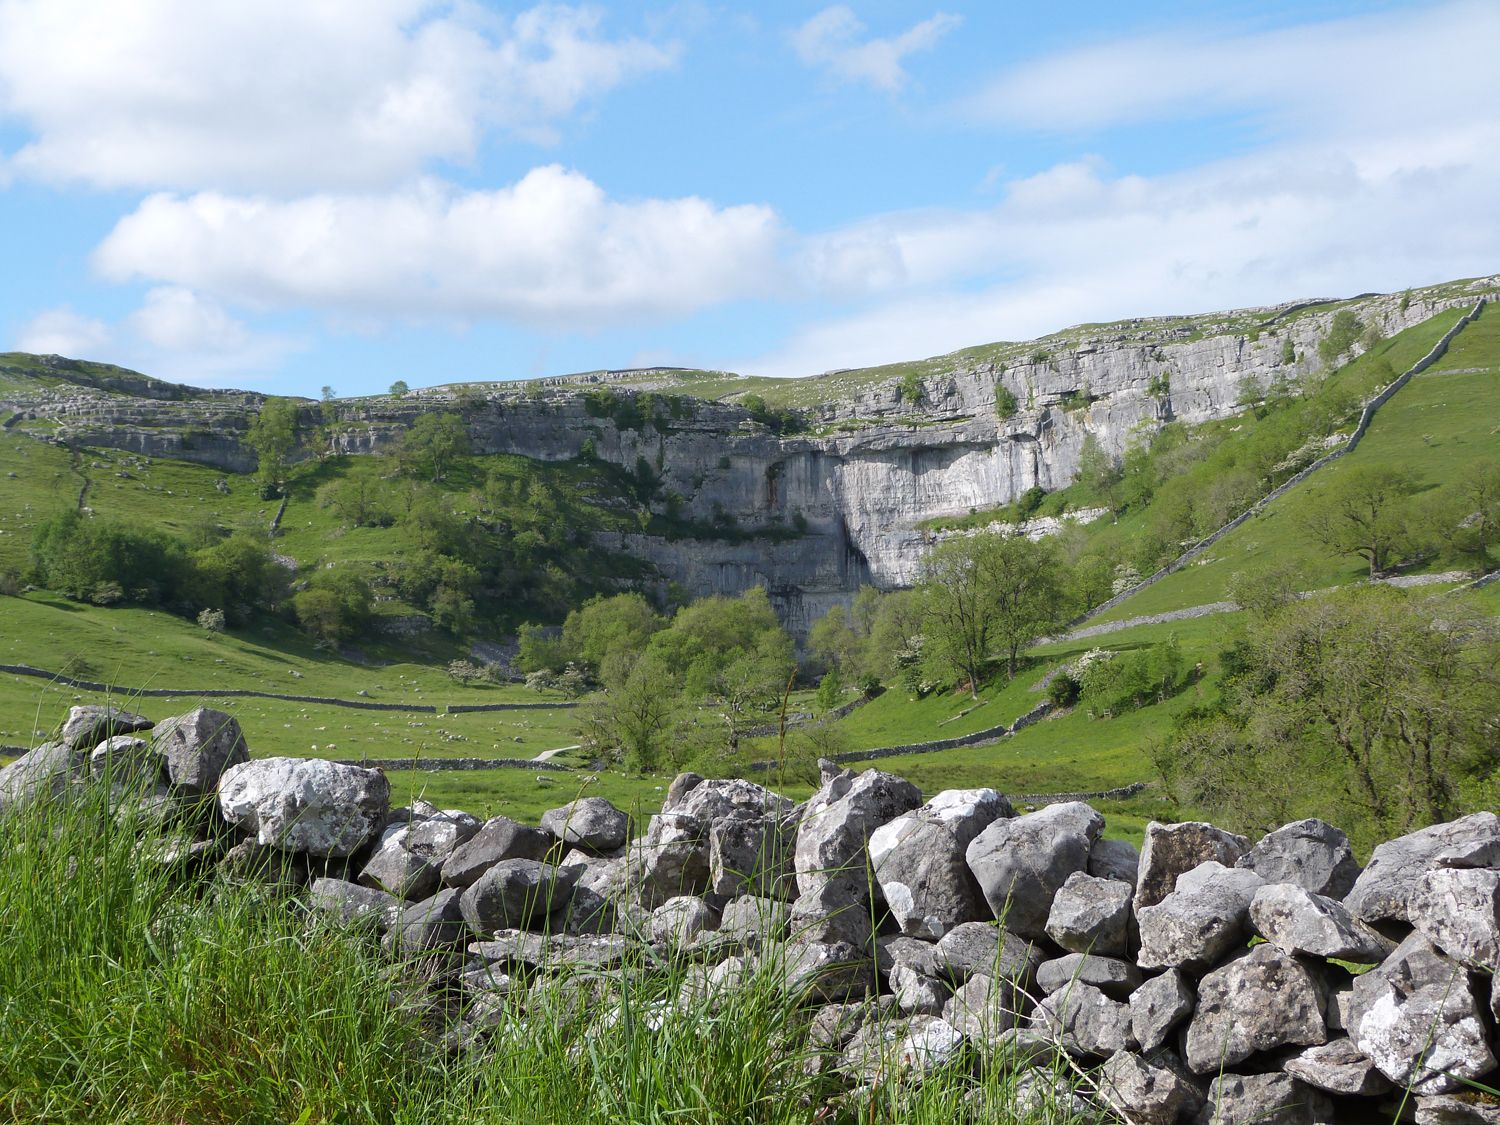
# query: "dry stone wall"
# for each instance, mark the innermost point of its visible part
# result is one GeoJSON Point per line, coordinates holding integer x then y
{"type": "Point", "coordinates": [1207, 977]}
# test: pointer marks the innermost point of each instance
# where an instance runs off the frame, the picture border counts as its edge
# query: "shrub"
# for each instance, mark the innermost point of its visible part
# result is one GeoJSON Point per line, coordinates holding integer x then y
{"type": "Point", "coordinates": [465, 672]}
{"type": "Point", "coordinates": [1006, 405]}
{"type": "Point", "coordinates": [911, 388]}
{"type": "Point", "coordinates": [1063, 690]}
{"type": "Point", "coordinates": [212, 620]}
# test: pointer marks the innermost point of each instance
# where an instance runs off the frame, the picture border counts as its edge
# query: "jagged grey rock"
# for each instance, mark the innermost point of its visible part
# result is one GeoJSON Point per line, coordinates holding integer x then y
{"type": "Point", "coordinates": [1262, 1000]}
{"type": "Point", "coordinates": [1311, 853]}
{"type": "Point", "coordinates": [394, 868]}
{"type": "Point", "coordinates": [45, 769]}
{"type": "Point", "coordinates": [829, 972]}
{"type": "Point", "coordinates": [1114, 859]}
{"type": "Point", "coordinates": [1339, 1068]}
{"type": "Point", "coordinates": [1203, 919]}
{"type": "Point", "coordinates": [750, 915]}
{"type": "Point", "coordinates": [515, 893]}
{"type": "Point", "coordinates": [1158, 1006]}
{"type": "Point", "coordinates": [826, 915]}
{"type": "Point", "coordinates": [1092, 915]}
{"type": "Point", "coordinates": [1458, 910]}
{"type": "Point", "coordinates": [198, 747]}
{"type": "Point", "coordinates": [918, 860]}
{"type": "Point", "coordinates": [127, 762]}
{"type": "Point", "coordinates": [1458, 1109]}
{"type": "Point", "coordinates": [305, 804]}
{"type": "Point", "coordinates": [898, 949]}
{"type": "Point", "coordinates": [1397, 866]}
{"type": "Point", "coordinates": [1085, 1020]}
{"type": "Point", "coordinates": [430, 924]}
{"type": "Point", "coordinates": [985, 1007]}
{"type": "Point", "coordinates": [351, 903]}
{"type": "Point", "coordinates": [1264, 1099]}
{"type": "Point", "coordinates": [437, 837]}
{"type": "Point", "coordinates": [1142, 1093]}
{"type": "Point", "coordinates": [916, 993]}
{"type": "Point", "coordinates": [589, 822]}
{"type": "Point", "coordinates": [500, 838]}
{"type": "Point", "coordinates": [833, 836]}
{"type": "Point", "coordinates": [1171, 850]}
{"type": "Point", "coordinates": [1416, 1018]}
{"type": "Point", "coordinates": [90, 724]}
{"type": "Point", "coordinates": [519, 949]}
{"type": "Point", "coordinates": [750, 854]}
{"type": "Point", "coordinates": [1300, 921]}
{"type": "Point", "coordinates": [884, 1049]}
{"type": "Point", "coordinates": [679, 920]}
{"type": "Point", "coordinates": [1115, 978]}
{"type": "Point", "coordinates": [1021, 863]}
{"type": "Point", "coordinates": [713, 799]}
{"type": "Point", "coordinates": [670, 859]}
{"type": "Point", "coordinates": [982, 947]}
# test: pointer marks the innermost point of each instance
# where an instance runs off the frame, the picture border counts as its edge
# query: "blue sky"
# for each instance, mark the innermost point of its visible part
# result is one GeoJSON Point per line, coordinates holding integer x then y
{"type": "Point", "coordinates": [287, 195]}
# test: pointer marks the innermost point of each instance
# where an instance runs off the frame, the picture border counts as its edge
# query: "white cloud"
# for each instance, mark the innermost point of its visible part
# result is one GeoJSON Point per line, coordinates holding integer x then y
{"type": "Point", "coordinates": [553, 248]}
{"type": "Point", "coordinates": [63, 332]}
{"type": "Point", "coordinates": [290, 94]}
{"type": "Point", "coordinates": [1367, 72]}
{"type": "Point", "coordinates": [834, 40]}
{"type": "Point", "coordinates": [180, 320]}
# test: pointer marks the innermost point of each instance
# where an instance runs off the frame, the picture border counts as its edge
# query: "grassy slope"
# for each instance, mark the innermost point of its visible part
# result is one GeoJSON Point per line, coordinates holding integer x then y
{"type": "Point", "coordinates": [1442, 419]}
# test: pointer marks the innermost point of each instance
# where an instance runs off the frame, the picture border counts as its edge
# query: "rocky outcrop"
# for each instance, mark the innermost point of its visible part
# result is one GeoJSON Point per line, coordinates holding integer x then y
{"type": "Point", "coordinates": [1213, 995]}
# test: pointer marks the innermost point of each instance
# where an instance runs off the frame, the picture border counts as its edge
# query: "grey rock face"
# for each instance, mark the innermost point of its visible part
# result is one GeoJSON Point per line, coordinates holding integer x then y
{"type": "Point", "coordinates": [678, 921]}
{"type": "Point", "coordinates": [1458, 910]}
{"type": "Point", "coordinates": [670, 860]}
{"type": "Point", "coordinates": [833, 836]}
{"type": "Point", "coordinates": [1092, 915]}
{"type": "Point", "coordinates": [397, 870]}
{"type": "Point", "coordinates": [1311, 853]}
{"type": "Point", "coordinates": [42, 771]}
{"type": "Point", "coordinates": [1458, 1109]}
{"type": "Point", "coordinates": [1115, 978]}
{"type": "Point", "coordinates": [902, 950]}
{"type": "Point", "coordinates": [1140, 1092]}
{"type": "Point", "coordinates": [1397, 866]}
{"type": "Point", "coordinates": [1085, 1020]}
{"type": "Point", "coordinates": [1264, 1099]}
{"type": "Point", "coordinates": [515, 893]}
{"type": "Point", "coordinates": [499, 838]}
{"type": "Point", "coordinates": [1158, 1006]}
{"type": "Point", "coordinates": [1021, 863]}
{"type": "Point", "coordinates": [1339, 1068]}
{"type": "Point", "coordinates": [983, 948]}
{"type": "Point", "coordinates": [826, 916]}
{"type": "Point", "coordinates": [919, 861]}
{"type": "Point", "coordinates": [1260, 1001]}
{"type": "Point", "coordinates": [437, 837]}
{"type": "Point", "coordinates": [749, 915]}
{"type": "Point", "coordinates": [831, 973]}
{"type": "Point", "coordinates": [1115, 859]}
{"type": "Point", "coordinates": [127, 762]}
{"type": "Point", "coordinates": [350, 903]}
{"type": "Point", "coordinates": [984, 1008]}
{"type": "Point", "coordinates": [1300, 921]}
{"type": "Point", "coordinates": [1198, 923]}
{"type": "Point", "coordinates": [198, 747]}
{"type": "Point", "coordinates": [589, 822]}
{"type": "Point", "coordinates": [1171, 850]}
{"type": "Point", "coordinates": [431, 924]}
{"type": "Point", "coordinates": [88, 725]}
{"type": "Point", "coordinates": [305, 804]}
{"type": "Point", "coordinates": [750, 854]}
{"type": "Point", "coordinates": [916, 993]}
{"type": "Point", "coordinates": [714, 799]}
{"type": "Point", "coordinates": [1416, 1018]}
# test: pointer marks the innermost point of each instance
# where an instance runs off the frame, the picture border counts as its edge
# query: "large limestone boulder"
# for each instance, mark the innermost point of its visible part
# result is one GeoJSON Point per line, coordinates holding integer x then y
{"type": "Point", "coordinates": [1264, 1099]}
{"type": "Point", "coordinates": [436, 837]}
{"type": "Point", "coordinates": [1311, 854]}
{"type": "Point", "coordinates": [589, 822]}
{"type": "Point", "coordinates": [1158, 1006]}
{"type": "Point", "coordinates": [1396, 867]}
{"type": "Point", "coordinates": [349, 903]}
{"type": "Point", "coordinates": [1142, 1093]}
{"type": "Point", "coordinates": [1260, 1001]}
{"type": "Point", "coordinates": [919, 861]}
{"type": "Point", "coordinates": [986, 949]}
{"type": "Point", "coordinates": [752, 854]}
{"type": "Point", "coordinates": [1115, 859]}
{"type": "Point", "coordinates": [397, 870]}
{"type": "Point", "coordinates": [44, 771]}
{"type": "Point", "coordinates": [499, 838]}
{"type": "Point", "coordinates": [1202, 920]}
{"type": "Point", "coordinates": [1300, 921]}
{"type": "Point", "coordinates": [1093, 915]}
{"type": "Point", "coordinates": [826, 915]}
{"type": "Point", "coordinates": [1085, 1021]}
{"type": "Point", "coordinates": [1416, 1017]}
{"type": "Point", "coordinates": [671, 859]}
{"type": "Point", "coordinates": [833, 836]}
{"type": "Point", "coordinates": [198, 747]}
{"type": "Point", "coordinates": [1458, 910]}
{"type": "Point", "coordinates": [515, 894]}
{"type": "Point", "coordinates": [1171, 850]}
{"type": "Point", "coordinates": [1021, 863]}
{"type": "Point", "coordinates": [1115, 978]}
{"type": "Point", "coordinates": [90, 724]}
{"type": "Point", "coordinates": [305, 804]}
{"type": "Point", "coordinates": [1339, 1068]}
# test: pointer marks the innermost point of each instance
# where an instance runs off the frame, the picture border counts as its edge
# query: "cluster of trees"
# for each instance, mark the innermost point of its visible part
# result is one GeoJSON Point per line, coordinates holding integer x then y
{"type": "Point", "coordinates": [981, 601]}
{"type": "Point", "coordinates": [1370, 707]}
{"type": "Point", "coordinates": [671, 687]}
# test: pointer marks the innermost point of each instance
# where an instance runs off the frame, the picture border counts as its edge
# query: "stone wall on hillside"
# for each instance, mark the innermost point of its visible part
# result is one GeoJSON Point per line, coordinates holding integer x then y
{"type": "Point", "coordinates": [1206, 977]}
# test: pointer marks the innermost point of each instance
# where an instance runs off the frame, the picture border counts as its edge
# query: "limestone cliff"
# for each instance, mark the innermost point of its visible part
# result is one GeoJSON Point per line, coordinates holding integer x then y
{"type": "Point", "coordinates": [880, 453]}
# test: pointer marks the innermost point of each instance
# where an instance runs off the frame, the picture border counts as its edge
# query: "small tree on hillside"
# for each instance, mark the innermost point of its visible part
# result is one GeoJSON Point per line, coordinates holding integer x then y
{"type": "Point", "coordinates": [433, 443]}
{"type": "Point", "coordinates": [1366, 514]}
{"type": "Point", "coordinates": [273, 435]}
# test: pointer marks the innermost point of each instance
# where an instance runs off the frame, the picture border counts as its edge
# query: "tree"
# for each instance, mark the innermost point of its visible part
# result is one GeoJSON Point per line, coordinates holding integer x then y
{"type": "Point", "coordinates": [1026, 582]}
{"type": "Point", "coordinates": [358, 499]}
{"type": "Point", "coordinates": [1343, 331]}
{"type": "Point", "coordinates": [639, 715]}
{"type": "Point", "coordinates": [334, 607]}
{"type": "Point", "coordinates": [960, 611]}
{"type": "Point", "coordinates": [1365, 514]}
{"type": "Point", "coordinates": [1469, 513]}
{"type": "Point", "coordinates": [605, 633]}
{"type": "Point", "coordinates": [1096, 469]}
{"type": "Point", "coordinates": [273, 435]}
{"type": "Point", "coordinates": [399, 387]}
{"type": "Point", "coordinates": [327, 393]}
{"type": "Point", "coordinates": [432, 444]}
